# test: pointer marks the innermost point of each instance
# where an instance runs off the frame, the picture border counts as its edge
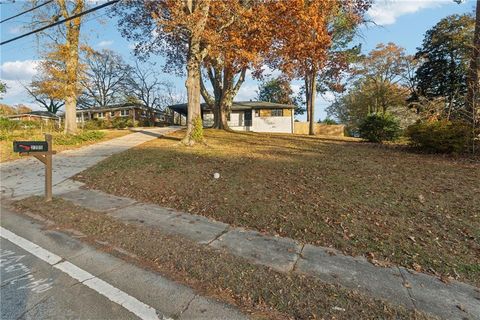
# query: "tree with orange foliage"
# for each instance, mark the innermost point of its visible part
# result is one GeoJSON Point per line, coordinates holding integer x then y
{"type": "Point", "coordinates": [224, 38]}
{"type": "Point", "coordinates": [303, 37]}
{"type": "Point", "coordinates": [64, 50]}
{"type": "Point", "coordinates": [244, 37]}
{"type": "Point", "coordinates": [176, 29]}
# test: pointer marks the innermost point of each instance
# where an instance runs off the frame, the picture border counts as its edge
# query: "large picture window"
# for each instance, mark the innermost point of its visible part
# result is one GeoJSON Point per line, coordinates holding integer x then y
{"type": "Point", "coordinates": [277, 112]}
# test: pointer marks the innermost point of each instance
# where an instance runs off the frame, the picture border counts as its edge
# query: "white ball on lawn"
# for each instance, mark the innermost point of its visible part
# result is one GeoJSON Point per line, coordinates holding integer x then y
{"type": "Point", "coordinates": [216, 175]}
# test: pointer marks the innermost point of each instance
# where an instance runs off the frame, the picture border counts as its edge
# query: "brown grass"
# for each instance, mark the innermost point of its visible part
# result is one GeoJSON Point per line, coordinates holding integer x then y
{"type": "Point", "coordinates": [255, 289]}
{"type": "Point", "coordinates": [419, 211]}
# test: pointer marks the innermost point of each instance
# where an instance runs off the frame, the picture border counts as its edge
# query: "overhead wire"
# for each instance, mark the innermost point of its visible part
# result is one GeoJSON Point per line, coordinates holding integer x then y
{"type": "Point", "coordinates": [60, 21]}
{"type": "Point", "coordinates": [26, 11]}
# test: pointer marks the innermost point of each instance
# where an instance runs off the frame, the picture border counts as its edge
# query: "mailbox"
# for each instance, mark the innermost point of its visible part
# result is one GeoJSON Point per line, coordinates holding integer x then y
{"type": "Point", "coordinates": [30, 146]}
{"type": "Point", "coordinates": [42, 151]}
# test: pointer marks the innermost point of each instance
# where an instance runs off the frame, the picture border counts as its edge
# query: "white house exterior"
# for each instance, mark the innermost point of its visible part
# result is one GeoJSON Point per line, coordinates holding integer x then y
{"type": "Point", "coordinates": [255, 116]}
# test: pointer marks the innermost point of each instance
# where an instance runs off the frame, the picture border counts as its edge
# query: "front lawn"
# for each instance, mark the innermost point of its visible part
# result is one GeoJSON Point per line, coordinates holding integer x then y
{"type": "Point", "coordinates": [257, 290]}
{"type": "Point", "coordinates": [419, 211]}
{"type": "Point", "coordinates": [61, 142]}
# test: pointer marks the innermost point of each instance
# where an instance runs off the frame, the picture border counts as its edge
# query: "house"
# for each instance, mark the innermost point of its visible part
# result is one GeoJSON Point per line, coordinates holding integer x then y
{"type": "Point", "coordinates": [136, 112]}
{"type": "Point", "coordinates": [44, 116]}
{"type": "Point", "coordinates": [256, 116]}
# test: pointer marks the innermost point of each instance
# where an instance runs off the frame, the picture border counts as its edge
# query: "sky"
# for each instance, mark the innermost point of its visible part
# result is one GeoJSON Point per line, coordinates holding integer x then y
{"type": "Point", "coordinates": [403, 22]}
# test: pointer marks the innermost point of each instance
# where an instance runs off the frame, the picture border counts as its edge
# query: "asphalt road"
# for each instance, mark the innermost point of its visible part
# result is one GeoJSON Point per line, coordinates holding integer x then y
{"type": "Point", "coordinates": [48, 274]}
{"type": "Point", "coordinates": [33, 289]}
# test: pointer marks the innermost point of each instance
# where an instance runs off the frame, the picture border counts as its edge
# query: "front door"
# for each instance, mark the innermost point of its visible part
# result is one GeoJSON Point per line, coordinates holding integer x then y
{"type": "Point", "coordinates": [248, 118]}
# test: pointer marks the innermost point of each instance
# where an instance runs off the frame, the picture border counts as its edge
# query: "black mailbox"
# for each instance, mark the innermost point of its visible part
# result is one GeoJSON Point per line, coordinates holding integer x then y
{"type": "Point", "coordinates": [30, 146]}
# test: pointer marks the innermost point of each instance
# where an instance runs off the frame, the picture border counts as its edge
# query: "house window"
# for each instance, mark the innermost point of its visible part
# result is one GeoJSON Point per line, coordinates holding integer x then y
{"type": "Point", "coordinates": [112, 113]}
{"type": "Point", "coordinates": [101, 115]}
{"type": "Point", "coordinates": [277, 112]}
{"type": "Point", "coordinates": [124, 113]}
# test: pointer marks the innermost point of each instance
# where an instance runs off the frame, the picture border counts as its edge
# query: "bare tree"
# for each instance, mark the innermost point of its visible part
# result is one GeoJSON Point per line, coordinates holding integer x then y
{"type": "Point", "coordinates": [104, 78]}
{"type": "Point", "coordinates": [51, 104]}
{"type": "Point", "coordinates": [146, 88]}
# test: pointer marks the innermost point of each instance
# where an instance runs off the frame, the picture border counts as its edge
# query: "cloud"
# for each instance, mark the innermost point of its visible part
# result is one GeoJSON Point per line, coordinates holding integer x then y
{"type": "Point", "coordinates": [15, 30]}
{"type": "Point", "coordinates": [105, 43]}
{"type": "Point", "coordinates": [19, 69]}
{"type": "Point", "coordinates": [247, 91]}
{"type": "Point", "coordinates": [384, 12]}
{"type": "Point", "coordinates": [16, 74]}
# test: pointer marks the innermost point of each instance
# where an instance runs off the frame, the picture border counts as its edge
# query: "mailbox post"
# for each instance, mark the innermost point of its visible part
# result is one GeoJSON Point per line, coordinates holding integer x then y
{"type": "Point", "coordinates": [42, 150]}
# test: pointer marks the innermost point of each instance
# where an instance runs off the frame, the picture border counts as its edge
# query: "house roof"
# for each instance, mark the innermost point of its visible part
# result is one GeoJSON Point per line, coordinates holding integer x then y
{"type": "Point", "coordinates": [41, 114]}
{"type": "Point", "coordinates": [116, 107]}
{"type": "Point", "coordinates": [236, 106]}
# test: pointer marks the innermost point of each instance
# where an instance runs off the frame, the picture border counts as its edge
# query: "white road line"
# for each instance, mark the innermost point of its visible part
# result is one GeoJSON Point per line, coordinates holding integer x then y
{"type": "Point", "coordinates": [31, 247]}
{"type": "Point", "coordinates": [130, 303]}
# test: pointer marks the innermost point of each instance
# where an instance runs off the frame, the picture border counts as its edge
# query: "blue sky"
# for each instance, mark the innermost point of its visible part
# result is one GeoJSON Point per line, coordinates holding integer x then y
{"type": "Point", "coordinates": [401, 21]}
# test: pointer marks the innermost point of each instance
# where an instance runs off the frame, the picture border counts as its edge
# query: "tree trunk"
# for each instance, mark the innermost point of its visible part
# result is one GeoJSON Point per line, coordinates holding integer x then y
{"type": "Point", "coordinates": [223, 119]}
{"type": "Point", "coordinates": [313, 93]}
{"type": "Point", "coordinates": [194, 58]}
{"type": "Point", "coordinates": [310, 94]}
{"type": "Point", "coordinates": [307, 96]}
{"type": "Point", "coordinates": [193, 100]}
{"type": "Point", "coordinates": [225, 89]}
{"type": "Point", "coordinates": [71, 62]}
{"type": "Point", "coordinates": [473, 80]}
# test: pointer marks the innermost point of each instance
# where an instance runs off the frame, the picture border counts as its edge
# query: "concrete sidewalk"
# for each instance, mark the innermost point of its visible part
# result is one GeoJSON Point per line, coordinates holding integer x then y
{"type": "Point", "coordinates": [397, 285]}
{"type": "Point", "coordinates": [74, 292]}
{"type": "Point", "coordinates": [25, 176]}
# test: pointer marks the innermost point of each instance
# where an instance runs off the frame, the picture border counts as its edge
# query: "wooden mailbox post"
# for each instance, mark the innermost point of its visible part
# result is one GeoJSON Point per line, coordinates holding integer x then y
{"type": "Point", "coordinates": [42, 150]}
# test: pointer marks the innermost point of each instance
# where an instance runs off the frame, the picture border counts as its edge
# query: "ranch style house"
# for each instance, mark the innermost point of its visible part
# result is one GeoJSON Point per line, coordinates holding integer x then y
{"type": "Point", "coordinates": [255, 116]}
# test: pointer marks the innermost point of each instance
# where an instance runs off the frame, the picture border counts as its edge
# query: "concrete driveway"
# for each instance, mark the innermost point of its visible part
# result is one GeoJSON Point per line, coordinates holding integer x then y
{"type": "Point", "coordinates": [25, 177]}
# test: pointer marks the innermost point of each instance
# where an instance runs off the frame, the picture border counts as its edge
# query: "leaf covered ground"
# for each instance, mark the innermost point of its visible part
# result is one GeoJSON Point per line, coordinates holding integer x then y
{"type": "Point", "coordinates": [257, 290]}
{"type": "Point", "coordinates": [415, 210]}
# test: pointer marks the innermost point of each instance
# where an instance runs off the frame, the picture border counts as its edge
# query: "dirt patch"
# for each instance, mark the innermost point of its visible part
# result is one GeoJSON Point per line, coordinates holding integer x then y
{"type": "Point", "coordinates": [418, 211]}
{"type": "Point", "coordinates": [255, 289]}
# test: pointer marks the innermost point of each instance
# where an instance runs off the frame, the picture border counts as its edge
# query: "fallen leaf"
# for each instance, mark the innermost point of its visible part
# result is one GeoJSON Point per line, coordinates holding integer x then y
{"type": "Point", "coordinates": [416, 267]}
{"type": "Point", "coordinates": [421, 198]}
{"type": "Point", "coordinates": [461, 307]}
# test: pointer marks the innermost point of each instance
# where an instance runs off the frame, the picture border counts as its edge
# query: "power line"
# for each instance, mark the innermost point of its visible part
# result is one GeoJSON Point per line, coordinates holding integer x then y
{"type": "Point", "coordinates": [61, 21]}
{"type": "Point", "coordinates": [27, 11]}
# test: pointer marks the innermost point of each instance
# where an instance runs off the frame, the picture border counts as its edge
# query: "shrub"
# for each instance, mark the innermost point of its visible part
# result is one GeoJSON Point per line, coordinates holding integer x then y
{"type": "Point", "coordinates": [73, 139]}
{"type": "Point", "coordinates": [94, 124]}
{"type": "Point", "coordinates": [440, 136]}
{"type": "Point", "coordinates": [28, 124]}
{"type": "Point", "coordinates": [379, 127]}
{"type": "Point", "coordinates": [7, 124]}
{"type": "Point", "coordinates": [328, 121]}
{"type": "Point", "coordinates": [119, 123]}
{"type": "Point", "coordinates": [131, 123]}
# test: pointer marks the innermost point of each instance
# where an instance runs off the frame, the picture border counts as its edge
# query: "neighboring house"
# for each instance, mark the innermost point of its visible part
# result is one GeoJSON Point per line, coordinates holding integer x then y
{"type": "Point", "coordinates": [256, 116]}
{"type": "Point", "coordinates": [136, 112]}
{"type": "Point", "coordinates": [44, 116]}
